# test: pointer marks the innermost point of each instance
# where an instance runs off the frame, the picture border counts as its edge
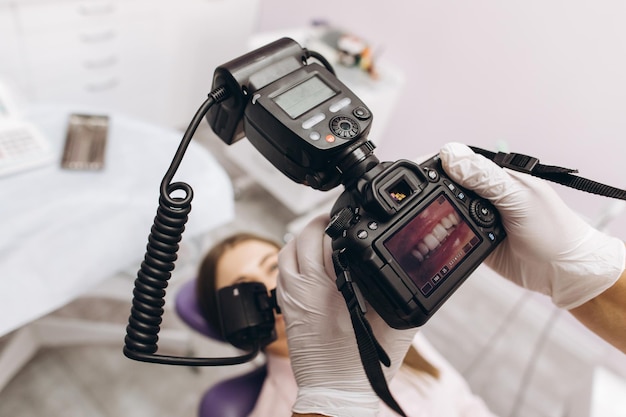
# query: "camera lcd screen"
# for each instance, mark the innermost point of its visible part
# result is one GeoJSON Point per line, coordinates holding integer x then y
{"type": "Point", "coordinates": [303, 97]}
{"type": "Point", "coordinates": [432, 244]}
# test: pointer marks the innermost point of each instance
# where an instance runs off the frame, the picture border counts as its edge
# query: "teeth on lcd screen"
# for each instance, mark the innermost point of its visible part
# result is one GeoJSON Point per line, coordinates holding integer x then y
{"type": "Point", "coordinates": [417, 255]}
{"type": "Point", "coordinates": [440, 232]}
{"type": "Point", "coordinates": [433, 239]}
{"type": "Point", "coordinates": [447, 223]}
{"type": "Point", "coordinates": [423, 248]}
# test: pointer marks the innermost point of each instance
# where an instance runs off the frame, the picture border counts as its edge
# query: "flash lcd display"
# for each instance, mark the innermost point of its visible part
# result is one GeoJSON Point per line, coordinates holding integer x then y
{"type": "Point", "coordinates": [303, 97]}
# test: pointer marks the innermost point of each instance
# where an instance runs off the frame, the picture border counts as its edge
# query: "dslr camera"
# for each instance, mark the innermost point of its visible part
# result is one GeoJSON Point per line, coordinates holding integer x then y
{"type": "Point", "coordinates": [410, 235]}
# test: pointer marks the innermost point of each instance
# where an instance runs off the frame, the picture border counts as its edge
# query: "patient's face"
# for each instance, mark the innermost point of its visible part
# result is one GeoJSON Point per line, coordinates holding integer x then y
{"type": "Point", "coordinates": [249, 261]}
{"type": "Point", "coordinates": [253, 261]}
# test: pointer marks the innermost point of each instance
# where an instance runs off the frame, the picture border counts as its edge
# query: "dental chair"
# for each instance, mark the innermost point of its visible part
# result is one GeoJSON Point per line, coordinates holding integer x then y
{"type": "Point", "coordinates": [234, 397]}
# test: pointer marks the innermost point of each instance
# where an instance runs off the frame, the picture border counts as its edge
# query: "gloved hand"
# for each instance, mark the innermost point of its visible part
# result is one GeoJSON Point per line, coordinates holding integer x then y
{"type": "Point", "coordinates": [322, 346]}
{"type": "Point", "coordinates": [549, 248]}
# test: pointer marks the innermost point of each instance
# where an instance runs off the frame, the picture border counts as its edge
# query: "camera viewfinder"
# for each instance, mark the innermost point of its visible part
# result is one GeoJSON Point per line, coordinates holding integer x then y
{"type": "Point", "coordinates": [400, 191]}
{"type": "Point", "coordinates": [396, 190]}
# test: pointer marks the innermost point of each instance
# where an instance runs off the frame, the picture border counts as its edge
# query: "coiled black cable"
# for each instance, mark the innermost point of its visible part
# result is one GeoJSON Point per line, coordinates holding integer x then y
{"type": "Point", "coordinates": [161, 253]}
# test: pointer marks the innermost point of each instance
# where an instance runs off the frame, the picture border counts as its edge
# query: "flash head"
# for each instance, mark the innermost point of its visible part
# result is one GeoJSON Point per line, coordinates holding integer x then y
{"type": "Point", "coordinates": [247, 315]}
{"type": "Point", "coordinates": [297, 114]}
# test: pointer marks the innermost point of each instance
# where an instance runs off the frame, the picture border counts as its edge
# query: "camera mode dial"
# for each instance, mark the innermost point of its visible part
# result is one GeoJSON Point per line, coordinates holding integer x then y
{"type": "Point", "coordinates": [482, 212]}
{"type": "Point", "coordinates": [339, 223]}
{"type": "Point", "coordinates": [344, 127]}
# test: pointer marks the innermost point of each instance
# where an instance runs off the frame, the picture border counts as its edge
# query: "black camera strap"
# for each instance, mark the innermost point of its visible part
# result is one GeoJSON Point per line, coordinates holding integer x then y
{"type": "Point", "coordinates": [564, 176]}
{"type": "Point", "coordinates": [371, 352]}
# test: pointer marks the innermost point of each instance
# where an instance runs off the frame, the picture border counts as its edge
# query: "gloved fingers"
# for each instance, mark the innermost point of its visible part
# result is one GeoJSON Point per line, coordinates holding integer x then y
{"type": "Point", "coordinates": [319, 329]}
{"type": "Point", "coordinates": [288, 268]}
{"type": "Point", "coordinates": [315, 250]}
{"type": "Point", "coordinates": [303, 281]}
{"type": "Point", "coordinates": [549, 248]}
{"type": "Point", "coordinates": [305, 253]}
{"type": "Point", "coordinates": [533, 214]}
{"type": "Point", "coordinates": [476, 173]}
{"type": "Point", "coordinates": [306, 291]}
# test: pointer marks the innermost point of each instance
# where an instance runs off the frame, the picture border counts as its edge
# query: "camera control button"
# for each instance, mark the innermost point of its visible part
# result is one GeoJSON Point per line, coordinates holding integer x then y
{"type": "Point", "coordinates": [450, 186]}
{"type": "Point", "coordinates": [344, 127]}
{"type": "Point", "coordinates": [362, 113]}
{"type": "Point", "coordinates": [312, 121]}
{"type": "Point", "coordinates": [432, 175]}
{"type": "Point", "coordinates": [483, 213]}
{"type": "Point", "coordinates": [362, 234]}
{"type": "Point", "coordinates": [372, 225]}
{"type": "Point", "coordinates": [314, 135]}
{"type": "Point", "coordinates": [426, 288]}
{"type": "Point", "coordinates": [335, 107]}
{"type": "Point", "coordinates": [339, 223]}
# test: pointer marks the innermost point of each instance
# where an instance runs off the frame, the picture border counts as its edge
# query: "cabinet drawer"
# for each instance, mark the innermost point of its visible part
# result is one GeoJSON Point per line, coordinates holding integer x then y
{"type": "Point", "coordinates": [64, 48]}
{"type": "Point", "coordinates": [43, 17]}
{"type": "Point", "coordinates": [105, 94]}
{"type": "Point", "coordinates": [9, 42]}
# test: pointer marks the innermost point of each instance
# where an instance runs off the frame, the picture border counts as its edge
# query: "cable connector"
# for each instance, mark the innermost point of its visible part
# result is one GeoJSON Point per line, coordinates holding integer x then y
{"type": "Point", "coordinates": [219, 94]}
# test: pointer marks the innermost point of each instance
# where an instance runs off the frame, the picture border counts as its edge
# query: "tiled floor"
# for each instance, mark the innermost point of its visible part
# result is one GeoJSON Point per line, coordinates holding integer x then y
{"type": "Point", "coordinates": [98, 381]}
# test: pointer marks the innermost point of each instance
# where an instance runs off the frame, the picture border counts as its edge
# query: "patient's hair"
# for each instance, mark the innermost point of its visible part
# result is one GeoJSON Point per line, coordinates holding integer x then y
{"type": "Point", "coordinates": [206, 282]}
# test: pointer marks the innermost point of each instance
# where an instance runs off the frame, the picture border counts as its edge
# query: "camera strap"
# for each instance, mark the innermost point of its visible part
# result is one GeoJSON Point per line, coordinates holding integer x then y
{"type": "Point", "coordinates": [564, 176]}
{"type": "Point", "coordinates": [371, 352]}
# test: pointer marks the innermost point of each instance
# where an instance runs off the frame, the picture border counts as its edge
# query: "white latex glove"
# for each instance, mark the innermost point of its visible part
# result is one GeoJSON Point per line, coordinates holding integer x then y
{"type": "Point", "coordinates": [549, 248]}
{"type": "Point", "coordinates": [322, 346]}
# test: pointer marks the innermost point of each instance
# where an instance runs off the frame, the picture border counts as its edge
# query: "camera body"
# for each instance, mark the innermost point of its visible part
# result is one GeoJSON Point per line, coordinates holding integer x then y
{"type": "Point", "coordinates": [411, 237]}
{"type": "Point", "coordinates": [410, 234]}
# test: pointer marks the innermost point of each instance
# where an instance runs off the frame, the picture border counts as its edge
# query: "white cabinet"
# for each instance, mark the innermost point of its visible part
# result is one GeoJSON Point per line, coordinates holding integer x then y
{"type": "Point", "coordinates": [152, 60]}
{"type": "Point", "coordinates": [10, 57]}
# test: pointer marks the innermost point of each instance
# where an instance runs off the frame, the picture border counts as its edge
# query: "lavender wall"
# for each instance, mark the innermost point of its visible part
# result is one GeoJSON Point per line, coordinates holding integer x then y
{"type": "Point", "coordinates": [542, 78]}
